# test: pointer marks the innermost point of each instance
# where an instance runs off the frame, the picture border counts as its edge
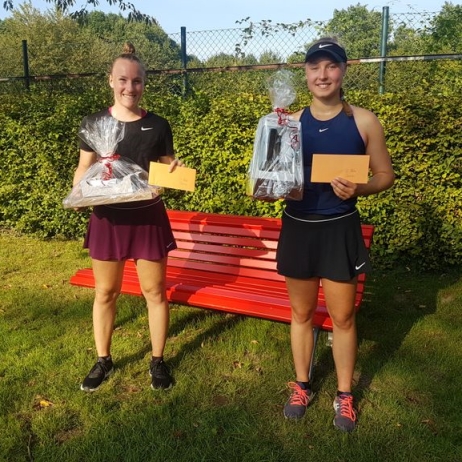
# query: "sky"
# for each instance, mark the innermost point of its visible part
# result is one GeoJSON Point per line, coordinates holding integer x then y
{"type": "Point", "coordinates": [201, 15]}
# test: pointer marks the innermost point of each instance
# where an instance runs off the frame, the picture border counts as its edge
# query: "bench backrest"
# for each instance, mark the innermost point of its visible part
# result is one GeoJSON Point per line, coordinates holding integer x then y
{"type": "Point", "coordinates": [228, 244]}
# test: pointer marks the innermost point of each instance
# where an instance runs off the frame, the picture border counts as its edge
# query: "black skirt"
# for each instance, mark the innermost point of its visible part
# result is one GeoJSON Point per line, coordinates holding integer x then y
{"type": "Point", "coordinates": [322, 246]}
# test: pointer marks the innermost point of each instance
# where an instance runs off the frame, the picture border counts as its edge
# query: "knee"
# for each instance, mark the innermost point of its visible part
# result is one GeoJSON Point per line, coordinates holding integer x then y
{"type": "Point", "coordinates": [106, 296]}
{"type": "Point", "coordinates": [154, 294]}
{"type": "Point", "coordinates": [303, 316]}
{"type": "Point", "coordinates": [344, 321]}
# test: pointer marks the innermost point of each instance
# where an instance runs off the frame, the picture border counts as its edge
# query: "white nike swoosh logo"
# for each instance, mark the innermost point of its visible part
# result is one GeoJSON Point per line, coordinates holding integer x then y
{"type": "Point", "coordinates": [324, 45]}
{"type": "Point", "coordinates": [323, 130]}
{"type": "Point", "coordinates": [360, 266]}
{"type": "Point", "coordinates": [143, 129]}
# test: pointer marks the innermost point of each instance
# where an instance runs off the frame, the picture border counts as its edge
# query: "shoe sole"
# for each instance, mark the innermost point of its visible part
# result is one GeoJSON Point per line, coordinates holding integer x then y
{"type": "Point", "coordinates": [91, 390]}
{"type": "Point", "coordinates": [295, 419]}
{"type": "Point", "coordinates": [344, 430]}
{"type": "Point", "coordinates": [162, 388]}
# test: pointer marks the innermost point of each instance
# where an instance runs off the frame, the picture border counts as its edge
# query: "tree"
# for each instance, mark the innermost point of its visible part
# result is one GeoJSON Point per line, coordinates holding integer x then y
{"type": "Point", "coordinates": [56, 44]}
{"type": "Point", "coordinates": [270, 57]}
{"type": "Point", "coordinates": [152, 44]}
{"type": "Point", "coordinates": [446, 34]}
{"type": "Point", "coordinates": [59, 44]}
{"type": "Point", "coordinates": [65, 6]}
{"type": "Point", "coordinates": [358, 29]}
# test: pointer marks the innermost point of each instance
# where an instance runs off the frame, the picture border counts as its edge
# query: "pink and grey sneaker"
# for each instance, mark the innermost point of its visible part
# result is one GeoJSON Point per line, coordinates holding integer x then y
{"type": "Point", "coordinates": [298, 401]}
{"type": "Point", "coordinates": [345, 414]}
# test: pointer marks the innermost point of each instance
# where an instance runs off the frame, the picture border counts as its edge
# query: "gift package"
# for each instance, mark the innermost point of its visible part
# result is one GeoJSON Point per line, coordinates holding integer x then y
{"type": "Point", "coordinates": [276, 168]}
{"type": "Point", "coordinates": [113, 178]}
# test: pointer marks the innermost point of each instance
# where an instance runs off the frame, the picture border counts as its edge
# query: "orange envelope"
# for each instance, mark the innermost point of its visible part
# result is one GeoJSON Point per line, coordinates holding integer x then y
{"type": "Point", "coordinates": [351, 167]}
{"type": "Point", "coordinates": [181, 178]}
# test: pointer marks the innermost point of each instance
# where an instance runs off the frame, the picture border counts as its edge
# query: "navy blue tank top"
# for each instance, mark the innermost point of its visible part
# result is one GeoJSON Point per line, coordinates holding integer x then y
{"type": "Point", "coordinates": [339, 135]}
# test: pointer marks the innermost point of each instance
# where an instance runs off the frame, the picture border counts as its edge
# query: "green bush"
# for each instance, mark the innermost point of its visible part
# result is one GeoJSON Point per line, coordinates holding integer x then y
{"type": "Point", "coordinates": [418, 221]}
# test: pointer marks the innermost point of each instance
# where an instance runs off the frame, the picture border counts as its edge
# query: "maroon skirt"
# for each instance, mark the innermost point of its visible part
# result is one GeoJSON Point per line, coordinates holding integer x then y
{"type": "Point", "coordinates": [138, 230]}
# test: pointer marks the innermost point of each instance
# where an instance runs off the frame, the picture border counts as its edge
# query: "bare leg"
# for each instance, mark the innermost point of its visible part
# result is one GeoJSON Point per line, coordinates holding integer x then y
{"type": "Point", "coordinates": [108, 280]}
{"type": "Point", "coordinates": [303, 294]}
{"type": "Point", "coordinates": [340, 298]}
{"type": "Point", "coordinates": [152, 281]}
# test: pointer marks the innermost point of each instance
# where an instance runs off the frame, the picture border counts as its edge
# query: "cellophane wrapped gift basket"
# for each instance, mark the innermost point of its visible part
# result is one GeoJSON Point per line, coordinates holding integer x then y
{"type": "Point", "coordinates": [276, 168]}
{"type": "Point", "coordinates": [113, 178]}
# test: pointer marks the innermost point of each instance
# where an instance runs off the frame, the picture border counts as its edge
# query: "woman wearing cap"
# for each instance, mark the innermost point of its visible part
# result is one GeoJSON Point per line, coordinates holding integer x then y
{"type": "Point", "coordinates": [321, 238]}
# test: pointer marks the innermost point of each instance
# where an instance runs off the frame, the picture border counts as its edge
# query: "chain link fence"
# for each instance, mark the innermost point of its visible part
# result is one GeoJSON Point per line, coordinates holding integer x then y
{"type": "Point", "coordinates": [189, 58]}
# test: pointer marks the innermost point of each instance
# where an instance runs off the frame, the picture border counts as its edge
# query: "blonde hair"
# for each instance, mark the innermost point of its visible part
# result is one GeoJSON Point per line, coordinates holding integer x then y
{"type": "Point", "coordinates": [128, 53]}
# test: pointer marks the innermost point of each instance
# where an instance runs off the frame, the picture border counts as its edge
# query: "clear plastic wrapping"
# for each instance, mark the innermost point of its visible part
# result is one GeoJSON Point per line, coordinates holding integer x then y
{"type": "Point", "coordinates": [276, 168]}
{"type": "Point", "coordinates": [113, 178]}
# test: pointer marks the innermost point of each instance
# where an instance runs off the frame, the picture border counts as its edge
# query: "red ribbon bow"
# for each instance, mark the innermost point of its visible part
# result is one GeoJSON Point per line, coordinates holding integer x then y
{"type": "Point", "coordinates": [283, 115]}
{"type": "Point", "coordinates": [107, 166]}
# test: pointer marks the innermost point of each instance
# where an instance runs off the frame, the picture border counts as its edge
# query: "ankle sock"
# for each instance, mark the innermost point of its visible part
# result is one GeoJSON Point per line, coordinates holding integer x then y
{"type": "Point", "coordinates": [305, 385]}
{"type": "Point", "coordinates": [343, 393]}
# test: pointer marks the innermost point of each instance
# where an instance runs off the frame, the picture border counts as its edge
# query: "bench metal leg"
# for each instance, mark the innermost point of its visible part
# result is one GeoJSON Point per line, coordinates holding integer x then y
{"type": "Point", "coordinates": [315, 342]}
{"type": "Point", "coordinates": [330, 337]}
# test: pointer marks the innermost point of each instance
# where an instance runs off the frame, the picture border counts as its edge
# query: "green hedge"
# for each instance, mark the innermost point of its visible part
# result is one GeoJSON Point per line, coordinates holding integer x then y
{"type": "Point", "coordinates": [418, 221]}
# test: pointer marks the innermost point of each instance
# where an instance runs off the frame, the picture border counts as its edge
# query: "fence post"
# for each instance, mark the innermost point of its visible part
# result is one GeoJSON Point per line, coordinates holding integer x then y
{"type": "Point", "coordinates": [383, 48]}
{"type": "Point", "coordinates": [184, 60]}
{"type": "Point", "coordinates": [25, 60]}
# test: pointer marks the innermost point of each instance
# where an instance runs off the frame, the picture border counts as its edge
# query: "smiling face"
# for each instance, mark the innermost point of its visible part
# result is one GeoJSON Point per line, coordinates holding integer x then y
{"type": "Point", "coordinates": [127, 81]}
{"type": "Point", "coordinates": [324, 77]}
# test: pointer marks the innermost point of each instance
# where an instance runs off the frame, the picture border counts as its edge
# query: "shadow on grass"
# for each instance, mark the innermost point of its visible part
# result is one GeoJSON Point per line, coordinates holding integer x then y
{"type": "Point", "coordinates": [221, 323]}
{"type": "Point", "coordinates": [396, 302]}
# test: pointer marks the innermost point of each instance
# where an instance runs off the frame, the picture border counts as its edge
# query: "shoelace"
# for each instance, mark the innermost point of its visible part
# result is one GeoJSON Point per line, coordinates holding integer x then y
{"type": "Point", "coordinates": [159, 369]}
{"type": "Point", "coordinates": [346, 407]}
{"type": "Point", "coordinates": [299, 396]}
{"type": "Point", "coordinates": [97, 369]}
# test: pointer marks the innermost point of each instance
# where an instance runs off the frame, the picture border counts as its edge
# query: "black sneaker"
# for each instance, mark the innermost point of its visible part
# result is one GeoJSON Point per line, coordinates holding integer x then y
{"type": "Point", "coordinates": [97, 375]}
{"type": "Point", "coordinates": [160, 376]}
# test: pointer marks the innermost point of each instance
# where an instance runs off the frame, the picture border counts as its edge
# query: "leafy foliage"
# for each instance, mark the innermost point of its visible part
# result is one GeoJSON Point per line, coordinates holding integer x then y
{"type": "Point", "coordinates": [445, 30]}
{"type": "Point", "coordinates": [419, 219]}
{"type": "Point", "coordinates": [358, 30]}
{"type": "Point", "coordinates": [86, 45]}
{"type": "Point", "coordinates": [65, 6]}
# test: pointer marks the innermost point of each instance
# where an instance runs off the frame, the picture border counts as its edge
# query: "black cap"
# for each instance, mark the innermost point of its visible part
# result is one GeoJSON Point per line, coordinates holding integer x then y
{"type": "Point", "coordinates": [331, 49]}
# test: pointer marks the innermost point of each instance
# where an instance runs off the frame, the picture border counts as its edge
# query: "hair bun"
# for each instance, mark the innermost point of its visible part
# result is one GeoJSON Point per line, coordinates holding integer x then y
{"type": "Point", "coordinates": [129, 48]}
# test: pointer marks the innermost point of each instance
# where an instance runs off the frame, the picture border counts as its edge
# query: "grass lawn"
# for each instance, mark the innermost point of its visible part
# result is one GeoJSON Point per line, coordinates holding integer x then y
{"type": "Point", "coordinates": [231, 375]}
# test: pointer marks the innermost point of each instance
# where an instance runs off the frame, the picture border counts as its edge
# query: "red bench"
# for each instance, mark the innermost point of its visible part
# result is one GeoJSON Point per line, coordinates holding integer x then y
{"type": "Point", "coordinates": [227, 263]}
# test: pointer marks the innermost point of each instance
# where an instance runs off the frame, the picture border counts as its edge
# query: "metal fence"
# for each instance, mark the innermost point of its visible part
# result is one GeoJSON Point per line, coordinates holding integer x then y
{"type": "Point", "coordinates": [260, 47]}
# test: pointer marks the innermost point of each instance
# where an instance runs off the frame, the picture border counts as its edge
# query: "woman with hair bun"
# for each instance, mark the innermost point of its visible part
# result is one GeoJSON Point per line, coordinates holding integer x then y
{"type": "Point", "coordinates": [134, 230]}
{"type": "Point", "coordinates": [321, 239]}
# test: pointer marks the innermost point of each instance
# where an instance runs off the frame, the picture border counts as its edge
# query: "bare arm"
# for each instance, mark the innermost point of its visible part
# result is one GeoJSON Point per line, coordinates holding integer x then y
{"type": "Point", "coordinates": [383, 176]}
{"type": "Point", "coordinates": [86, 160]}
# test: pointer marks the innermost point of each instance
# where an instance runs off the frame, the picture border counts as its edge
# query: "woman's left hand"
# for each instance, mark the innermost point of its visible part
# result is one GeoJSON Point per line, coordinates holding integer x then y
{"type": "Point", "coordinates": [174, 164]}
{"type": "Point", "coordinates": [344, 189]}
